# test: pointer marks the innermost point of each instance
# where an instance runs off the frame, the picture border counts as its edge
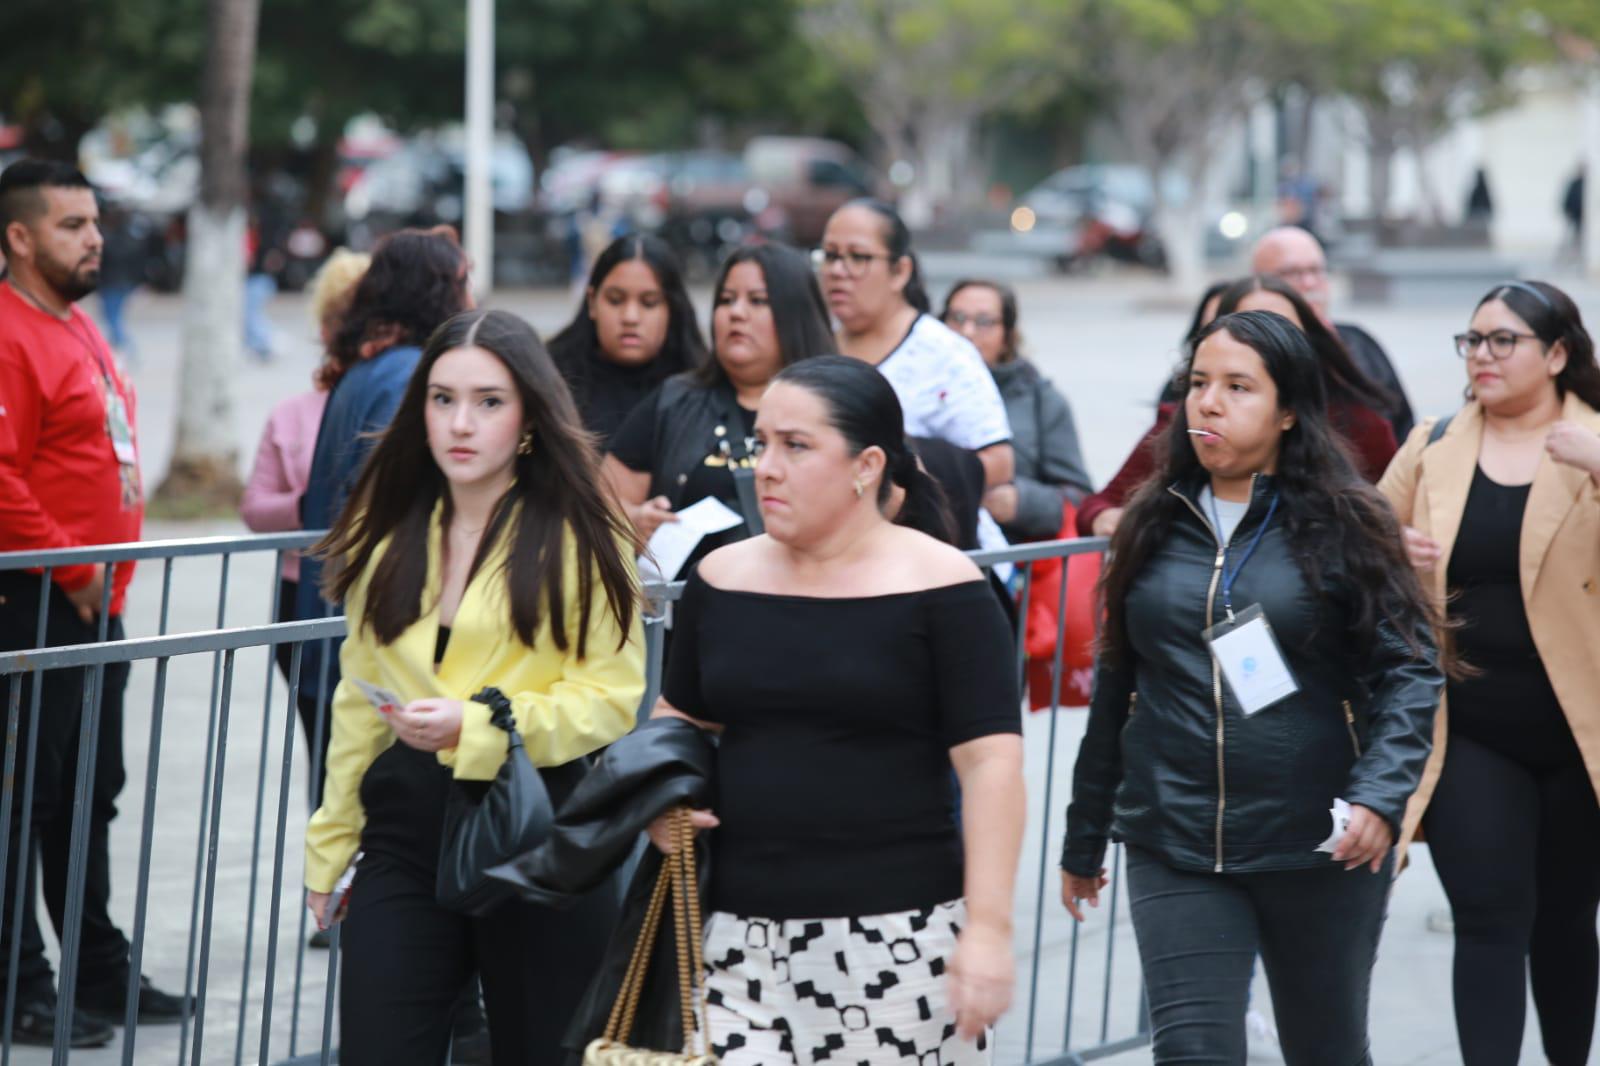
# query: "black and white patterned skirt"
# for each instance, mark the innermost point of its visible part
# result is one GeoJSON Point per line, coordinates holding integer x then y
{"type": "Point", "coordinates": [846, 991]}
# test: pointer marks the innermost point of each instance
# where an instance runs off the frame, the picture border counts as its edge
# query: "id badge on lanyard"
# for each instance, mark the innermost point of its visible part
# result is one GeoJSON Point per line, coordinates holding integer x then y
{"type": "Point", "coordinates": [1243, 645]}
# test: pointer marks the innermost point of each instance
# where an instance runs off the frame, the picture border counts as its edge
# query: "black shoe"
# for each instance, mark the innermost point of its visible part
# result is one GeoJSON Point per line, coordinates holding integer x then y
{"type": "Point", "coordinates": [35, 1026]}
{"type": "Point", "coordinates": [108, 1000]}
{"type": "Point", "coordinates": [320, 938]}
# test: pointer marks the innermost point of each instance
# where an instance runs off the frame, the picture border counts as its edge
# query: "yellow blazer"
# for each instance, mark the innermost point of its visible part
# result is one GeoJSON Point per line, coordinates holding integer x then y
{"type": "Point", "coordinates": [565, 707]}
{"type": "Point", "coordinates": [1560, 566]}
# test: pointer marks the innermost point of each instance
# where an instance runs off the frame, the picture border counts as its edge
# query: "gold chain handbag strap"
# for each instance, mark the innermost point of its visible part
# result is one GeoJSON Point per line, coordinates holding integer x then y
{"type": "Point", "coordinates": [677, 881]}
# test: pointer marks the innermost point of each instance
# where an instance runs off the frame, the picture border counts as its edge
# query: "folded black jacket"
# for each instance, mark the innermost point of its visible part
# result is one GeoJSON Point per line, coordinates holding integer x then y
{"type": "Point", "coordinates": [1170, 763]}
{"type": "Point", "coordinates": [665, 763]}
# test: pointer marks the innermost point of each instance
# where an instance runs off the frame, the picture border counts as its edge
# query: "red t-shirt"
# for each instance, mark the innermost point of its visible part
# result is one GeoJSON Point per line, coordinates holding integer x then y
{"type": "Point", "coordinates": [61, 483]}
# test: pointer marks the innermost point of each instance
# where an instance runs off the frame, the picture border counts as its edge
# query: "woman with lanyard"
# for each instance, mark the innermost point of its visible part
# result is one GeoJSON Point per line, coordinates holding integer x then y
{"type": "Point", "coordinates": [1355, 405]}
{"type": "Point", "coordinates": [635, 329]}
{"type": "Point", "coordinates": [692, 438]}
{"type": "Point", "coordinates": [874, 288]}
{"type": "Point", "coordinates": [1503, 498]}
{"type": "Point", "coordinates": [847, 662]}
{"type": "Point", "coordinates": [489, 587]}
{"type": "Point", "coordinates": [1218, 745]}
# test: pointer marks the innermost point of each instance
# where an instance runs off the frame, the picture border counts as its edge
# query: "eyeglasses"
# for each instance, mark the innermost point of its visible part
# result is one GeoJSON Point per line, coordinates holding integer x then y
{"type": "Point", "coordinates": [1502, 342]}
{"type": "Point", "coordinates": [855, 263]}
{"type": "Point", "coordinates": [1302, 274]}
{"type": "Point", "coordinates": [961, 318]}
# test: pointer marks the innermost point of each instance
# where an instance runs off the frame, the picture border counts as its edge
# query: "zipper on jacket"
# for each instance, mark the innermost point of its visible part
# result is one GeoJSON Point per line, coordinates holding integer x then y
{"type": "Point", "coordinates": [1216, 672]}
{"type": "Point", "coordinates": [1350, 724]}
{"type": "Point", "coordinates": [1133, 703]}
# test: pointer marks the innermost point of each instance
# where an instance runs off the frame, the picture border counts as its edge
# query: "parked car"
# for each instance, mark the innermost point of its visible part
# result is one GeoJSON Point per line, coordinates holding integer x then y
{"type": "Point", "coordinates": [805, 180]}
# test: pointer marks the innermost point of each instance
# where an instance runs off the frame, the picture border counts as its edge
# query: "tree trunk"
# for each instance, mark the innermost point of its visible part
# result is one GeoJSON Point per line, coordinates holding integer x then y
{"type": "Point", "coordinates": [1182, 229]}
{"type": "Point", "coordinates": [204, 473]}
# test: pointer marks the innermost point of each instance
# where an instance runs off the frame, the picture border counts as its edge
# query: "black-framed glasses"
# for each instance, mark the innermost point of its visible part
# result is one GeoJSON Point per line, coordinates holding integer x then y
{"type": "Point", "coordinates": [855, 263]}
{"type": "Point", "coordinates": [1502, 342]}
{"type": "Point", "coordinates": [959, 319]}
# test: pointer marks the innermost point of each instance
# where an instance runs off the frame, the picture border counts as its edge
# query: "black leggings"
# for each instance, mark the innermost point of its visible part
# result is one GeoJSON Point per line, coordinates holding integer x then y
{"type": "Point", "coordinates": [405, 961]}
{"type": "Point", "coordinates": [1517, 847]}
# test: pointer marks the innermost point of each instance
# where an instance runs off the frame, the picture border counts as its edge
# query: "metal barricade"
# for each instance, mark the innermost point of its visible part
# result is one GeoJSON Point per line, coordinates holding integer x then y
{"type": "Point", "coordinates": [1074, 1001]}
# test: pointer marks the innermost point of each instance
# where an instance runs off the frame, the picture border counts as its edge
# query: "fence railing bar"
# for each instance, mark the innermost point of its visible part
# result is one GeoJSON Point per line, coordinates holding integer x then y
{"type": "Point", "coordinates": [213, 845]}
{"type": "Point", "coordinates": [157, 549]}
{"type": "Point", "coordinates": [147, 829]}
{"type": "Point", "coordinates": [205, 807]}
{"type": "Point", "coordinates": [78, 856]}
{"type": "Point", "coordinates": [1111, 941]}
{"type": "Point", "coordinates": [172, 645]}
{"type": "Point", "coordinates": [1044, 832]}
{"type": "Point", "coordinates": [275, 904]}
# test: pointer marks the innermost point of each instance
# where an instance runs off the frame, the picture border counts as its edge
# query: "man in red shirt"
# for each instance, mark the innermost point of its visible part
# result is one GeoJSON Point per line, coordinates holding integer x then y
{"type": "Point", "coordinates": [69, 475]}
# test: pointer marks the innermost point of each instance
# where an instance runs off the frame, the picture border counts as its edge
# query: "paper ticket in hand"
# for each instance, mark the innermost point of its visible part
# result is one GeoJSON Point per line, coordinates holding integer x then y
{"type": "Point", "coordinates": [383, 701]}
{"type": "Point", "coordinates": [1341, 822]}
{"type": "Point", "coordinates": [673, 542]}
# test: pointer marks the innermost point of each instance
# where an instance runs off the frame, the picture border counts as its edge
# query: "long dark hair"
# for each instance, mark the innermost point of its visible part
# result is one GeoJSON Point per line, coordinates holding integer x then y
{"type": "Point", "coordinates": [416, 280]}
{"type": "Point", "coordinates": [556, 491]}
{"type": "Point", "coordinates": [576, 348]}
{"type": "Point", "coordinates": [897, 239]}
{"type": "Point", "coordinates": [1553, 317]}
{"type": "Point", "coordinates": [1008, 311]}
{"type": "Point", "coordinates": [1345, 382]}
{"type": "Point", "coordinates": [799, 314]}
{"type": "Point", "coordinates": [863, 407]}
{"type": "Point", "coordinates": [1333, 518]}
{"type": "Point", "coordinates": [1177, 383]}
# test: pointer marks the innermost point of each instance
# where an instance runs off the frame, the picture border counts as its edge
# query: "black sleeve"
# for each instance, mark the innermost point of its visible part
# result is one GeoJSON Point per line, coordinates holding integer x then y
{"type": "Point", "coordinates": [1098, 771]}
{"type": "Point", "coordinates": [681, 684]}
{"type": "Point", "coordinates": [634, 441]}
{"type": "Point", "coordinates": [975, 660]}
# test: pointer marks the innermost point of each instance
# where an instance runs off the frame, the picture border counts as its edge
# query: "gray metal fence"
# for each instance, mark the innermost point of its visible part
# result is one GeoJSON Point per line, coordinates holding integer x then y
{"type": "Point", "coordinates": [1074, 1002]}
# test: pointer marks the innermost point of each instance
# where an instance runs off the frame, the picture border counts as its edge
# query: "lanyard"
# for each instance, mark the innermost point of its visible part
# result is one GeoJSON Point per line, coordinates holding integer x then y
{"type": "Point", "coordinates": [1230, 574]}
{"type": "Point", "coordinates": [71, 323]}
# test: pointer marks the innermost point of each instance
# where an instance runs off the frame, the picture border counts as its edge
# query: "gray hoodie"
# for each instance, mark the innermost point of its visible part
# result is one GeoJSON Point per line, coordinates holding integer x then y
{"type": "Point", "coordinates": [1049, 461]}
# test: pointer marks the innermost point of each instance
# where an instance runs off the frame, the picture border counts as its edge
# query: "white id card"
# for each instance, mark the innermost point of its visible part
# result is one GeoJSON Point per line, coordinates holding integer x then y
{"type": "Point", "coordinates": [1248, 655]}
{"type": "Point", "coordinates": [383, 701]}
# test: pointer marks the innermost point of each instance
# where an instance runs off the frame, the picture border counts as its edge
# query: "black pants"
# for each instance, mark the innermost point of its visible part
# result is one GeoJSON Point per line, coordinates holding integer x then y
{"type": "Point", "coordinates": [1516, 842]}
{"type": "Point", "coordinates": [306, 697]}
{"type": "Point", "coordinates": [103, 950]}
{"type": "Point", "coordinates": [405, 960]}
{"type": "Point", "coordinates": [1199, 933]}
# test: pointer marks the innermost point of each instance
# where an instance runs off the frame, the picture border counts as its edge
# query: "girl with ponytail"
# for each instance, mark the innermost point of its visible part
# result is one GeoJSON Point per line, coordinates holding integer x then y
{"type": "Point", "coordinates": [848, 661]}
{"type": "Point", "coordinates": [874, 289]}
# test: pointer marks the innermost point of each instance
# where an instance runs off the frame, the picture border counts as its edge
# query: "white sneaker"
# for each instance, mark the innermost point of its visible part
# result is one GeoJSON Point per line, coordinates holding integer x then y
{"type": "Point", "coordinates": [1262, 1037]}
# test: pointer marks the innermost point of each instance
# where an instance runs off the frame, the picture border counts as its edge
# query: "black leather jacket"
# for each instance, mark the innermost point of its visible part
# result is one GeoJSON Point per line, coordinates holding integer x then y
{"type": "Point", "coordinates": [1170, 763]}
{"type": "Point", "coordinates": [662, 764]}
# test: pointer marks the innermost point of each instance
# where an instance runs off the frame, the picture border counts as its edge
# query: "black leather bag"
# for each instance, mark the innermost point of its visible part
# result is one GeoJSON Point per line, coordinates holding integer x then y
{"type": "Point", "coordinates": [486, 824]}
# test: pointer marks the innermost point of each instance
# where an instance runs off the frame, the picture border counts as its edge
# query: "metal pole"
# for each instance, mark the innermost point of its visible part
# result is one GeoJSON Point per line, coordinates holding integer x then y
{"type": "Point", "coordinates": [479, 206]}
{"type": "Point", "coordinates": [1590, 237]}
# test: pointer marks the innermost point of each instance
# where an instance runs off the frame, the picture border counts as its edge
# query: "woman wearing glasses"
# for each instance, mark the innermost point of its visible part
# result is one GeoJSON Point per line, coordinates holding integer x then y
{"type": "Point", "coordinates": [1502, 505]}
{"type": "Point", "coordinates": [874, 289]}
{"type": "Point", "coordinates": [1044, 437]}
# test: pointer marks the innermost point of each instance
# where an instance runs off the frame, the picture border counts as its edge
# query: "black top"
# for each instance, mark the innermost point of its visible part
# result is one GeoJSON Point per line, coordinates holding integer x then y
{"type": "Point", "coordinates": [1509, 704]}
{"type": "Point", "coordinates": [634, 445]}
{"type": "Point", "coordinates": [833, 774]}
{"type": "Point", "coordinates": [607, 392]}
{"type": "Point", "coordinates": [440, 643]}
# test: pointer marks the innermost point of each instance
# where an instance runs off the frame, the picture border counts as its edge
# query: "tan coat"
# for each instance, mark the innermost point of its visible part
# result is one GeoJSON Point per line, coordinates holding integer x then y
{"type": "Point", "coordinates": [1560, 561]}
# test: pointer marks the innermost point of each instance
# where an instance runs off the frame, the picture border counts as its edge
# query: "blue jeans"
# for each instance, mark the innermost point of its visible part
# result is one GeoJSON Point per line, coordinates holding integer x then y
{"type": "Point", "coordinates": [259, 289]}
{"type": "Point", "coordinates": [1316, 931]}
{"type": "Point", "coordinates": [114, 303]}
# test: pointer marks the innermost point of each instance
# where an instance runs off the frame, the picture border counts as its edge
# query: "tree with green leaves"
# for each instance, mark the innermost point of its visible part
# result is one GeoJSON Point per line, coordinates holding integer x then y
{"type": "Point", "coordinates": [927, 71]}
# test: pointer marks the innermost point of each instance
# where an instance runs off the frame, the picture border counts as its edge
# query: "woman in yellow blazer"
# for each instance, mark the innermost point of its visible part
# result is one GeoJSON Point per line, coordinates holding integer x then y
{"type": "Point", "coordinates": [477, 552]}
{"type": "Point", "coordinates": [1503, 512]}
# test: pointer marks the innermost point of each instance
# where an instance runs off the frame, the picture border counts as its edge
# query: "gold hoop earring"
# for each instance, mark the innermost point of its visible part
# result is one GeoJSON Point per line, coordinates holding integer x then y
{"type": "Point", "coordinates": [861, 489]}
{"type": "Point", "coordinates": [525, 445]}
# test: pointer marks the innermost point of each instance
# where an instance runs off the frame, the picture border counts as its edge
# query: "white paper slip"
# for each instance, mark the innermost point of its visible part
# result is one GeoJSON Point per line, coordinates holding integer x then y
{"type": "Point", "coordinates": [673, 542]}
{"type": "Point", "coordinates": [382, 699]}
{"type": "Point", "coordinates": [1340, 812]}
{"type": "Point", "coordinates": [1251, 662]}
